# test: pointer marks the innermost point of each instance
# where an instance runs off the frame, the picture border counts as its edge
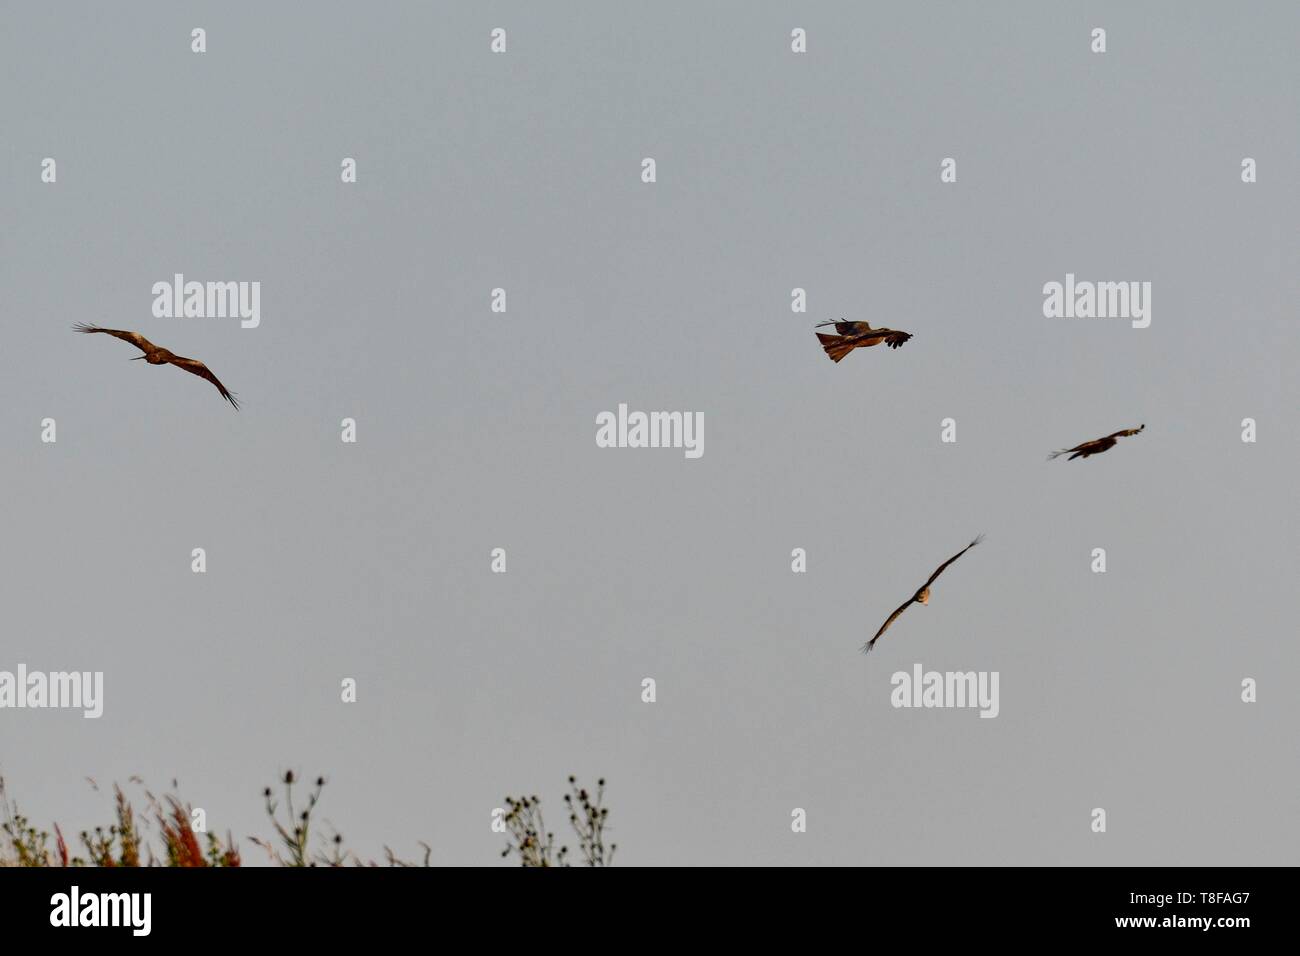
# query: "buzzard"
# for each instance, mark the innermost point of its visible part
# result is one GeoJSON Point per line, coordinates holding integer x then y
{"type": "Point", "coordinates": [1097, 445]}
{"type": "Point", "coordinates": [853, 335]}
{"type": "Point", "coordinates": [922, 595]}
{"type": "Point", "coordinates": [156, 355]}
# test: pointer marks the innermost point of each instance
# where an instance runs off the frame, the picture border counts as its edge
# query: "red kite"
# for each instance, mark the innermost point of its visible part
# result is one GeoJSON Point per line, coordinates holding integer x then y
{"type": "Point", "coordinates": [160, 356]}
{"type": "Point", "coordinates": [855, 335]}
{"type": "Point", "coordinates": [922, 596]}
{"type": "Point", "coordinates": [1097, 445]}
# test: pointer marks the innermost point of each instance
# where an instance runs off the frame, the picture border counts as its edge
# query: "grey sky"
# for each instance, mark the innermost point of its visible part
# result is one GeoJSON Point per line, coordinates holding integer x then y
{"type": "Point", "coordinates": [476, 431]}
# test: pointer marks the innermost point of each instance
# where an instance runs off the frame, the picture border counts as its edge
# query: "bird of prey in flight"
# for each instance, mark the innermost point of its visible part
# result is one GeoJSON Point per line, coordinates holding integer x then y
{"type": "Point", "coordinates": [156, 355]}
{"type": "Point", "coordinates": [922, 595]}
{"type": "Point", "coordinates": [1097, 445]}
{"type": "Point", "coordinates": [854, 335]}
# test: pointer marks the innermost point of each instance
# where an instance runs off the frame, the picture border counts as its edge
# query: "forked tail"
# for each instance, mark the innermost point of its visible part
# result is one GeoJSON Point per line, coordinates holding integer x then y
{"type": "Point", "coordinates": [835, 345]}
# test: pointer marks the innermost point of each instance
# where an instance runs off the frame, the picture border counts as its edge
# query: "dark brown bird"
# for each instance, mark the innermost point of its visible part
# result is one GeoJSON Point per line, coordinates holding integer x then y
{"type": "Point", "coordinates": [155, 355]}
{"type": "Point", "coordinates": [1097, 445]}
{"type": "Point", "coordinates": [922, 595]}
{"type": "Point", "coordinates": [857, 335]}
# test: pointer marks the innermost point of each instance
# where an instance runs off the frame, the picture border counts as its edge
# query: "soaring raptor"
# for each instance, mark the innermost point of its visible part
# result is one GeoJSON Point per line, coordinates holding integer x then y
{"type": "Point", "coordinates": [1097, 445]}
{"type": "Point", "coordinates": [155, 355]}
{"type": "Point", "coordinates": [922, 595]}
{"type": "Point", "coordinates": [855, 335]}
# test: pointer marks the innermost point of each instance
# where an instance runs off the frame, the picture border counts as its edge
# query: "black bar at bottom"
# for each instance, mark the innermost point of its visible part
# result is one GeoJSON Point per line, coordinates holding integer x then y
{"type": "Point", "coordinates": [331, 905]}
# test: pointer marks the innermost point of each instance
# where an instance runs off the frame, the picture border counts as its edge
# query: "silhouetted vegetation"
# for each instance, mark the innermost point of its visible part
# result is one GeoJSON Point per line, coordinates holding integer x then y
{"type": "Point", "coordinates": [129, 840]}
{"type": "Point", "coordinates": [534, 845]}
{"type": "Point", "coordinates": [120, 843]}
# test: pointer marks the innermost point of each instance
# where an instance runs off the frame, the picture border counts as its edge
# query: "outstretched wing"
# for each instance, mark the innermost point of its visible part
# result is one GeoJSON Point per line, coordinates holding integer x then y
{"type": "Point", "coordinates": [884, 627]}
{"type": "Point", "coordinates": [941, 567]}
{"type": "Point", "coordinates": [135, 338]}
{"type": "Point", "coordinates": [201, 370]}
{"type": "Point", "coordinates": [848, 328]}
{"type": "Point", "coordinates": [891, 337]}
{"type": "Point", "coordinates": [1126, 433]}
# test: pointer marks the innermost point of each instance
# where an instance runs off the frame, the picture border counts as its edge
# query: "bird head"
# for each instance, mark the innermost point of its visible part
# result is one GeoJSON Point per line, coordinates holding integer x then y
{"type": "Point", "coordinates": [924, 596]}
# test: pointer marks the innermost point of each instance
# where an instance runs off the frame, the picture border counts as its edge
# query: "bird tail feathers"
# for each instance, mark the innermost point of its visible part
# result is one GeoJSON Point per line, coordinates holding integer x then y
{"type": "Point", "coordinates": [834, 345]}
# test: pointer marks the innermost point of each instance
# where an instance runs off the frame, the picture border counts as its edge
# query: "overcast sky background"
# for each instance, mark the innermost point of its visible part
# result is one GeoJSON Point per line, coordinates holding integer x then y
{"type": "Point", "coordinates": [475, 431]}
